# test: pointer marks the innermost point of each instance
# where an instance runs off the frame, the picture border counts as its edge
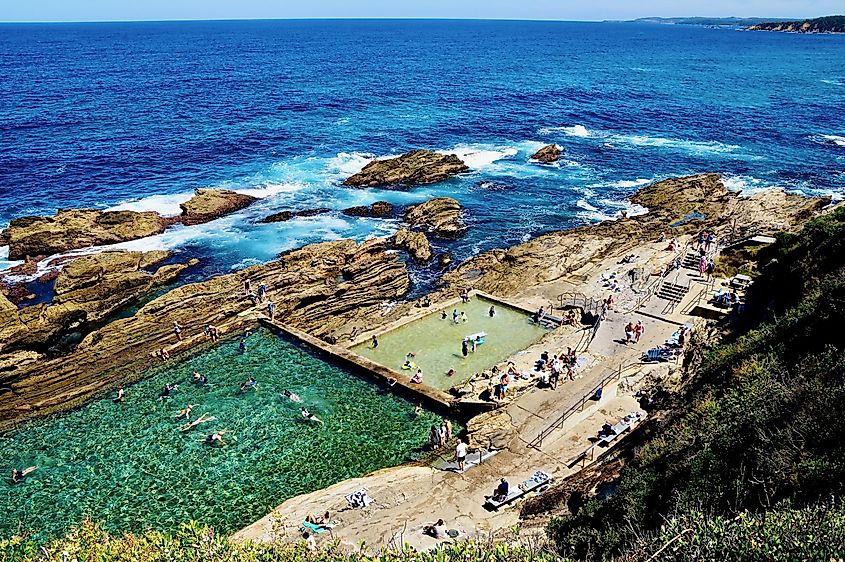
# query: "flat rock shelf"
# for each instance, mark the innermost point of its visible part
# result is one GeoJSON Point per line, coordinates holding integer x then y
{"type": "Point", "coordinates": [129, 466]}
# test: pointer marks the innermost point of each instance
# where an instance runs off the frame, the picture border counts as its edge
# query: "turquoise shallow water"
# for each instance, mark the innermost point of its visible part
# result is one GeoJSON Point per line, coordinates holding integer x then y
{"type": "Point", "coordinates": [129, 466]}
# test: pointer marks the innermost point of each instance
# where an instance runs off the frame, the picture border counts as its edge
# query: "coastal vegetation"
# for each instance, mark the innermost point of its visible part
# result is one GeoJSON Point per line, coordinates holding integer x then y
{"type": "Point", "coordinates": [826, 24]}
{"type": "Point", "coordinates": [757, 428]}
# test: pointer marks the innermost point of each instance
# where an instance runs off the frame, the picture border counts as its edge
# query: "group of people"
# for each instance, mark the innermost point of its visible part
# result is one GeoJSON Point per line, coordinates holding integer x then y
{"type": "Point", "coordinates": [551, 369]}
{"type": "Point", "coordinates": [439, 436]}
{"type": "Point", "coordinates": [634, 331]}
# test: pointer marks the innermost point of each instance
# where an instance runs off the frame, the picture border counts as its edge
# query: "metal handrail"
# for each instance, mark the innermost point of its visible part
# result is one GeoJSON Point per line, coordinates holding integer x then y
{"type": "Point", "coordinates": [578, 406]}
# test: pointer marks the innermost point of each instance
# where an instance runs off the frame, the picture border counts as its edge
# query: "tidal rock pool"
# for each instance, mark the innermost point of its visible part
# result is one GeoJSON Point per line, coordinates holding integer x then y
{"type": "Point", "coordinates": [129, 465]}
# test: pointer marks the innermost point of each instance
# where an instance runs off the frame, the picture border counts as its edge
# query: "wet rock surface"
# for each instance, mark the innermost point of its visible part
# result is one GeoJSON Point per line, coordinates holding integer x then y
{"type": "Point", "coordinates": [412, 168]}
{"type": "Point", "coordinates": [440, 216]}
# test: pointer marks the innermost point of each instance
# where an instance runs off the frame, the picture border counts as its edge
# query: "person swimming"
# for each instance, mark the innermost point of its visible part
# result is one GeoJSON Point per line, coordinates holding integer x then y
{"type": "Point", "coordinates": [249, 384]}
{"type": "Point", "coordinates": [293, 397]}
{"type": "Point", "coordinates": [18, 476]}
{"type": "Point", "coordinates": [309, 416]}
{"type": "Point", "coordinates": [168, 388]}
{"type": "Point", "coordinates": [186, 411]}
{"type": "Point", "coordinates": [215, 438]}
{"type": "Point", "coordinates": [200, 379]}
{"type": "Point", "coordinates": [200, 420]}
{"type": "Point", "coordinates": [120, 396]}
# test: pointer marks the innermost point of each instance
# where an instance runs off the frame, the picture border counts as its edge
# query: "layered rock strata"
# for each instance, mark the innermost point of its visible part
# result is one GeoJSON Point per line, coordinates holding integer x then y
{"type": "Point", "coordinates": [320, 288]}
{"type": "Point", "coordinates": [412, 168]}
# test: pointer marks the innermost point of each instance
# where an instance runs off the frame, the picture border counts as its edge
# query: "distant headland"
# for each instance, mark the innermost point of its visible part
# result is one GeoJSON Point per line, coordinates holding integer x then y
{"type": "Point", "coordinates": [828, 24]}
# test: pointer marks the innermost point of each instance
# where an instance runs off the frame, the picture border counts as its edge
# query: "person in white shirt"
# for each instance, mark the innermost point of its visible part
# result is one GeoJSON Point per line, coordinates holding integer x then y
{"type": "Point", "coordinates": [460, 454]}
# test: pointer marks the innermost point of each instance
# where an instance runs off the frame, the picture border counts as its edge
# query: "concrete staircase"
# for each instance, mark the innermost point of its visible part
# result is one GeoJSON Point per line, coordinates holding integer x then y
{"type": "Point", "coordinates": [672, 292]}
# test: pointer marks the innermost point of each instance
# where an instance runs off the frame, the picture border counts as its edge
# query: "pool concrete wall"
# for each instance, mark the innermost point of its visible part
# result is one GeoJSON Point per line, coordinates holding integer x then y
{"type": "Point", "coordinates": [431, 398]}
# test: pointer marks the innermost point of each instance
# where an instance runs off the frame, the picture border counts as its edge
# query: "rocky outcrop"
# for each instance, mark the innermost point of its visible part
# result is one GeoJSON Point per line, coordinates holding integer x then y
{"type": "Point", "coordinates": [412, 168]}
{"type": "Point", "coordinates": [87, 290]}
{"type": "Point", "coordinates": [440, 216]}
{"type": "Point", "coordinates": [104, 283]}
{"type": "Point", "coordinates": [415, 243]}
{"type": "Point", "coordinates": [379, 209]}
{"type": "Point", "coordinates": [548, 154]}
{"type": "Point", "coordinates": [827, 24]}
{"type": "Point", "coordinates": [284, 216]}
{"type": "Point", "coordinates": [320, 288]}
{"type": "Point", "coordinates": [71, 229]}
{"type": "Point", "coordinates": [209, 204]}
{"type": "Point", "coordinates": [670, 202]}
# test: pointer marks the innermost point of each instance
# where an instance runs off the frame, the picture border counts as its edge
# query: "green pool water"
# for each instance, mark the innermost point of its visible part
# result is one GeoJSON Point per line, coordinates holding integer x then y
{"type": "Point", "coordinates": [129, 466]}
{"type": "Point", "coordinates": [437, 341]}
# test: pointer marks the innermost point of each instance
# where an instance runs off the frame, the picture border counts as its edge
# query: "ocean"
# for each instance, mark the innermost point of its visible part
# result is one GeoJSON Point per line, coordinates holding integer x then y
{"type": "Point", "coordinates": [137, 115]}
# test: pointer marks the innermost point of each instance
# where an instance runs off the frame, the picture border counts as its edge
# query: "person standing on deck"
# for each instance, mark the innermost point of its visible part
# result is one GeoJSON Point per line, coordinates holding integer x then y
{"type": "Point", "coordinates": [639, 330]}
{"type": "Point", "coordinates": [460, 454]}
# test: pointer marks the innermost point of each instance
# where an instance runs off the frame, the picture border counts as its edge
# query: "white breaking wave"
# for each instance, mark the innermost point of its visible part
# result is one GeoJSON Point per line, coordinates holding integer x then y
{"type": "Point", "coordinates": [165, 205]}
{"type": "Point", "coordinates": [744, 184]}
{"type": "Point", "coordinates": [627, 184]}
{"type": "Point", "coordinates": [834, 82]}
{"type": "Point", "coordinates": [694, 147]}
{"type": "Point", "coordinates": [573, 131]}
{"type": "Point", "coordinates": [480, 157]}
{"type": "Point", "coordinates": [584, 205]}
{"type": "Point", "coordinates": [349, 163]}
{"type": "Point", "coordinates": [709, 147]}
{"type": "Point", "coordinates": [833, 139]}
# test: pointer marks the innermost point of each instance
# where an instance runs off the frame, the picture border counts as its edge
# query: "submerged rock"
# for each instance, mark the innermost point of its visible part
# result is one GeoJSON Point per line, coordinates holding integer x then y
{"type": "Point", "coordinates": [71, 229]}
{"type": "Point", "coordinates": [440, 216]}
{"type": "Point", "coordinates": [284, 216]}
{"type": "Point", "coordinates": [548, 154]}
{"type": "Point", "coordinates": [412, 168]}
{"type": "Point", "coordinates": [415, 243]}
{"type": "Point", "coordinates": [209, 204]}
{"type": "Point", "coordinates": [377, 209]}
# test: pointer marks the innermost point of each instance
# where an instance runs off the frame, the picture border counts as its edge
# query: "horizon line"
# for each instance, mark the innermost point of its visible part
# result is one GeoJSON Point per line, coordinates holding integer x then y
{"type": "Point", "coordinates": [411, 18]}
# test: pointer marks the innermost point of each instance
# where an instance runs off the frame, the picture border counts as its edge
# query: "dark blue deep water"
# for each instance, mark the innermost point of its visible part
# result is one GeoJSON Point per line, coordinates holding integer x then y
{"type": "Point", "coordinates": [137, 115]}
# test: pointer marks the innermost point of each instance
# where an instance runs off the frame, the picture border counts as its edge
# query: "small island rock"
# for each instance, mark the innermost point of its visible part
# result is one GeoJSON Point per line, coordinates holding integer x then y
{"type": "Point", "coordinates": [412, 168]}
{"type": "Point", "coordinates": [377, 209]}
{"type": "Point", "coordinates": [209, 204]}
{"type": "Point", "coordinates": [71, 229]}
{"type": "Point", "coordinates": [548, 154]}
{"type": "Point", "coordinates": [440, 216]}
{"type": "Point", "coordinates": [415, 243]}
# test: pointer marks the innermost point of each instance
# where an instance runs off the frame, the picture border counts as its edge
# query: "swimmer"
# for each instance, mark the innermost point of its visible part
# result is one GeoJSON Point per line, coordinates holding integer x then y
{"type": "Point", "coordinates": [464, 318]}
{"type": "Point", "coordinates": [391, 382]}
{"type": "Point", "coordinates": [242, 345]}
{"type": "Point", "coordinates": [407, 365]}
{"type": "Point", "coordinates": [418, 410]}
{"type": "Point", "coordinates": [291, 396]}
{"type": "Point", "coordinates": [410, 354]}
{"type": "Point", "coordinates": [450, 373]}
{"type": "Point", "coordinates": [215, 438]}
{"type": "Point", "coordinates": [309, 416]}
{"type": "Point", "coordinates": [120, 396]}
{"type": "Point", "coordinates": [200, 420]}
{"type": "Point", "coordinates": [375, 341]}
{"type": "Point", "coordinates": [165, 392]}
{"type": "Point", "coordinates": [443, 315]}
{"type": "Point", "coordinates": [186, 412]}
{"type": "Point", "coordinates": [19, 475]}
{"type": "Point", "coordinates": [249, 384]}
{"type": "Point", "coordinates": [492, 311]}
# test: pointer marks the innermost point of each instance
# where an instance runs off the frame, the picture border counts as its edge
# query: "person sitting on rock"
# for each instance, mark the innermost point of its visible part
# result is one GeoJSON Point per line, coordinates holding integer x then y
{"type": "Point", "coordinates": [418, 377]}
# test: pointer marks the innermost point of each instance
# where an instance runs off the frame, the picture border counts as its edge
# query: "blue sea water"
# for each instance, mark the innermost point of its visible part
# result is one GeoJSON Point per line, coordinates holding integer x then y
{"type": "Point", "coordinates": [137, 115]}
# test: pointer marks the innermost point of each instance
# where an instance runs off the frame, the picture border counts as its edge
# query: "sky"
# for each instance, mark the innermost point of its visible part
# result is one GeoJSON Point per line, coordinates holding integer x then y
{"type": "Point", "coordinates": [111, 10]}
